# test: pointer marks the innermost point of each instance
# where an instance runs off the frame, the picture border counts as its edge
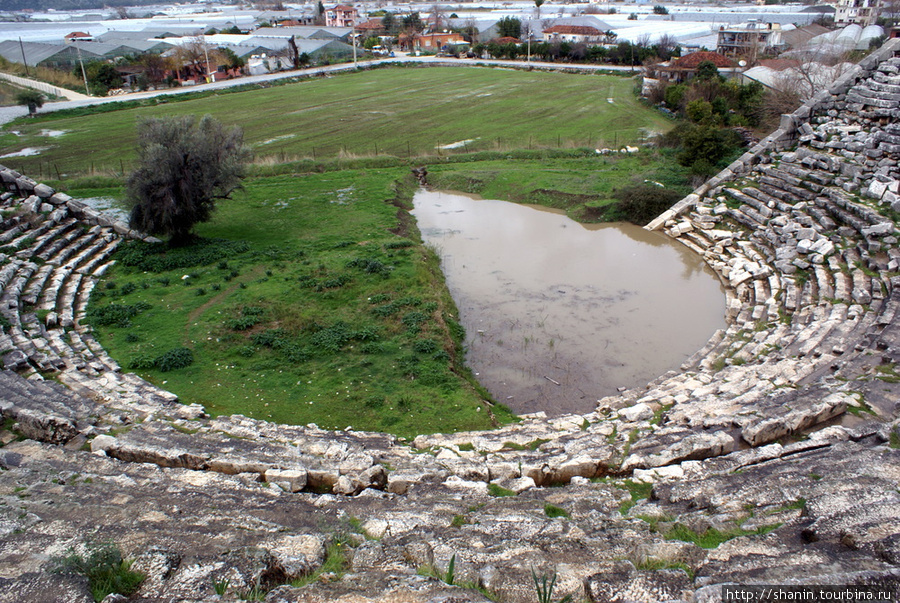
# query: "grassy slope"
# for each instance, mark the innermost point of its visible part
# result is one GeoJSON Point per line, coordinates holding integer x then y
{"type": "Point", "coordinates": [301, 229]}
{"type": "Point", "coordinates": [563, 183]}
{"type": "Point", "coordinates": [399, 111]}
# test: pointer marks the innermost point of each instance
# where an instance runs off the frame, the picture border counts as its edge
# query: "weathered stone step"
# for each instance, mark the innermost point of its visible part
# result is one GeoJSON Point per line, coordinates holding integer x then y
{"type": "Point", "coordinates": [44, 410]}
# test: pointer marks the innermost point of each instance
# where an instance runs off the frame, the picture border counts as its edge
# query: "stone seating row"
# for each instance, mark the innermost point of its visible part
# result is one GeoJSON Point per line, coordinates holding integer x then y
{"type": "Point", "coordinates": [52, 276]}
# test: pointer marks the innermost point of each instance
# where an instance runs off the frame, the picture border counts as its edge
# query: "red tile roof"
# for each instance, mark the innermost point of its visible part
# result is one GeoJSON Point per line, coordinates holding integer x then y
{"type": "Point", "coordinates": [373, 24]}
{"type": "Point", "coordinates": [693, 60]}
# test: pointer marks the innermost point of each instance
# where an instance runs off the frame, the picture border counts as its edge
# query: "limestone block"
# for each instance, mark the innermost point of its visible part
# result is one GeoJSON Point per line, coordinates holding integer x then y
{"type": "Point", "coordinates": [455, 482]}
{"type": "Point", "coordinates": [43, 191]}
{"type": "Point", "coordinates": [638, 412]}
{"type": "Point", "coordinates": [356, 463]}
{"type": "Point", "coordinates": [60, 198]}
{"type": "Point", "coordinates": [289, 480]}
{"type": "Point", "coordinates": [517, 485]}
{"type": "Point", "coordinates": [298, 555]}
{"type": "Point", "coordinates": [346, 486]}
{"type": "Point", "coordinates": [374, 477]}
{"type": "Point", "coordinates": [620, 581]}
{"type": "Point", "coordinates": [102, 443]}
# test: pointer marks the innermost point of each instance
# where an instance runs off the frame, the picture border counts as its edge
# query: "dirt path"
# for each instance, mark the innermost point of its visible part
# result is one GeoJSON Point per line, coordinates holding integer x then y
{"type": "Point", "coordinates": [214, 300]}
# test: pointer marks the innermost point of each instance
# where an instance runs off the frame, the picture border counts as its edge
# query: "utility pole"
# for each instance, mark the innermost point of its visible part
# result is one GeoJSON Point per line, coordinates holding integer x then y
{"type": "Point", "coordinates": [24, 61]}
{"type": "Point", "coordinates": [353, 33]}
{"type": "Point", "coordinates": [87, 90]}
{"type": "Point", "coordinates": [206, 52]}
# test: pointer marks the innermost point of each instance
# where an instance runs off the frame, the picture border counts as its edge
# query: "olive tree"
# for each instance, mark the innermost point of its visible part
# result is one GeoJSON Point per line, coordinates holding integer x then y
{"type": "Point", "coordinates": [184, 167]}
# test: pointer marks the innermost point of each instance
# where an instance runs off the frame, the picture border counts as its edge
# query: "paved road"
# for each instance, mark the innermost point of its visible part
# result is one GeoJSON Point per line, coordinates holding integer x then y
{"type": "Point", "coordinates": [7, 114]}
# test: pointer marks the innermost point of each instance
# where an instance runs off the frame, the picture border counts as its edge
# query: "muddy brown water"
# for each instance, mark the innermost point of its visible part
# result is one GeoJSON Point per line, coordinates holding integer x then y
{"type": "Point", "coordinates": [559, 314]}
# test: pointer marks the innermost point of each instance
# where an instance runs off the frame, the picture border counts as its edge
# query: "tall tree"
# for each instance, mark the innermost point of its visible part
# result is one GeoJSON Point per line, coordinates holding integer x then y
{"type": "Point", "coordinates": [413, 22]}
{"type": "Point", "coordinates": [388, 23]}
{"type": "Point", "coordinates": [509, 27]}
{"type": "Point", "coordinates": [537, 7]}
{"type": "Point", "coordinates": [184, 167]}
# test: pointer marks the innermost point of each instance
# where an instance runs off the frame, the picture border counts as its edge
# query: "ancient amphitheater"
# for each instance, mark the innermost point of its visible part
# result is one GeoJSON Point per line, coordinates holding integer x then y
{"type": "Point", "coordinates": [782, 430]}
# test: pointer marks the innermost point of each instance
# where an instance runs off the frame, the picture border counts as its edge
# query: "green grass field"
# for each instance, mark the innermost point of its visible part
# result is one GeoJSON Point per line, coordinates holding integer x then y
{"type": "Point", "coordinates": [330, 310]}
{"type": "Point", "coordinates": [327, 316]}
{"type": "Point", "coordinates": [401, 112]}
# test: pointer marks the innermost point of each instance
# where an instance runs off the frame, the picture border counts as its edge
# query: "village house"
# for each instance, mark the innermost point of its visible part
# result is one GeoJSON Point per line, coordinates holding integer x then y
{"type": "Point", "coordinates": [576, 34]}
{"type": "Point", "coordinates": [372, 27]}
{"type": "Point", "coordinates": [685, 67]}
{"type": "Point", "coordinates": [434, 42]}
{"type": "Point", "coordinates": [750, 41]}
{"type": "Point", "coordinates": [341, 15]}
{"type": "Point", "coordinates": [78, 36]}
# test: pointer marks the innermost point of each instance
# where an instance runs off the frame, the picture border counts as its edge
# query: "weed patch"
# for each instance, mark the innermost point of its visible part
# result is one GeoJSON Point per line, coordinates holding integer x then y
{"type": "Point", "coordinates": [105, 569]}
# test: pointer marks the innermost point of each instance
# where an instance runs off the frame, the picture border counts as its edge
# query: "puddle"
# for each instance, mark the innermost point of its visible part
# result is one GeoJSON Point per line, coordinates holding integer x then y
{"type": "Point", "coordinates": [344, 195]}
{"type": "Point", "coordinates": [26, 152]}
{"type": "Point", "coordinates": [458, 144]}
{"type": "Point", "coordinates": [276, 139]}
{"type": "Point", "coordinates": [559, 314]}
{"type": "Point", "coordinates": [107, 205]}
{"type": "Point", "coordinates": [54, 133]}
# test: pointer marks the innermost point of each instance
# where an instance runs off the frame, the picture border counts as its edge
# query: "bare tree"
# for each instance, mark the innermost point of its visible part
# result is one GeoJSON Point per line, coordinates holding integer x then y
{"type": "Point", "coordinates": [198, 56]}
{"type": "Point", "coordinates": [438, 17]}
{"type": "Point", "coordinates": [797, 84]}
{"type": "Point", "coordinates": [155, 67]}
{"type": "Point", "coordinates": [666, 45]}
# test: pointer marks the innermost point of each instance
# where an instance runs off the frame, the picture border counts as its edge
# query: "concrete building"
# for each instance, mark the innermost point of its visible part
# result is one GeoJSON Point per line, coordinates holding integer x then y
{"type": "Point", "coordinates": [755, 39]}
{"type": "Point", "coordinates": [860, 12]}
{"type": "Point", "coordinates": [341, 15]}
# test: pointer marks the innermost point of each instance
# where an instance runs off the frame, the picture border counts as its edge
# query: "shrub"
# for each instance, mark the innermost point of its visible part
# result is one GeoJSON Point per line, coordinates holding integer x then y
{"type": "Point", "coordinates": [105, 569]}
{"type": "Point", "coordinates": [333, 338]}
{"type": "Point", "coordinates": [367, 334]}
{"type": "Point", "coordinates": [371, 266]}
{"type": "Point", "coordinates": [425, 346]}
{"type": "Point", "coordinates": [706, 143]}
{"type": "Point", "coordinates": [269, 338]}
{"type": "Point", "coordinates": [245, 350]}
{"type": "Point", "coordinates": [116, 315]}
{"type": "Point", "coordinates": [643, 202]}
{"type": "Point", "coordinates": [414, 320]}
{"type": "Point", "coordinates": [174, 359]}
{"type": "Point", "coordinates": [142, 363]}
{"type": "Point", "coordinates": [250, 317]}
{"type": "Point", "coordinates": [553, 511]}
